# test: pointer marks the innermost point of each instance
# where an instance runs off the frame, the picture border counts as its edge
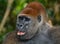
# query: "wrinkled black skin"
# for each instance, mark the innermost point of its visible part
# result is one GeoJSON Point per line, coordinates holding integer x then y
{"type": "Point", "coordinates": [41, 36]}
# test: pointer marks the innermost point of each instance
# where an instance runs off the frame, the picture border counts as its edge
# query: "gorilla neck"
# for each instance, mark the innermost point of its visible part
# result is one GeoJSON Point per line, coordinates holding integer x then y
{"type": "Point", "coordinates": [43, 30]}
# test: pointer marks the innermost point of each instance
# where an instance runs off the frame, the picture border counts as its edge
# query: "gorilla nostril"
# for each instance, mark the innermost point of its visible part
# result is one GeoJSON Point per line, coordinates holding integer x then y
{"type": "Point", "coordinates": [18, 25]}
{"type": "Point", "coordinates": [21, 25]}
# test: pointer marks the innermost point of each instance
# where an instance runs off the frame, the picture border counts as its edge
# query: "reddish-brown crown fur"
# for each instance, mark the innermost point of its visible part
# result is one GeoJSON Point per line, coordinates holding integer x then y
{"type": "Point", "coordinates": [34, 9]}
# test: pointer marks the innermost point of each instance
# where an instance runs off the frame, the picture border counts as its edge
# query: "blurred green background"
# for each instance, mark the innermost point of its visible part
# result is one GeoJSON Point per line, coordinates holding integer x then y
{"type": "Point", "coordinates": [52, 8]}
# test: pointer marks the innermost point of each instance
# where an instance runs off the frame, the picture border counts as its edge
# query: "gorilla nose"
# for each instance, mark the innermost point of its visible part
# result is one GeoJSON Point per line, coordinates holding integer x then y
{"type": "Point", "coordinates": [20, 25]}
{"type": "Point", "coordinates": [23, 18]}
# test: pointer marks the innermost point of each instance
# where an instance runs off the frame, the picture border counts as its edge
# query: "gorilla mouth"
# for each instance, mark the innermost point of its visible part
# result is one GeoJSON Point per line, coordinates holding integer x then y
{"type": "Point", "coordinates": [20, 33]}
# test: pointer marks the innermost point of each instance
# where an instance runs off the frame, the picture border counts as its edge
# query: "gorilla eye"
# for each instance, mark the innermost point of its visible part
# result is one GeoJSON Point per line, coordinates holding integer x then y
{"type": "Point", "coordinates": [27, 19]}
{"type": "Point", "coordinates": [39, 18]}
{"type": "Point", "coordinates": [20, 18]}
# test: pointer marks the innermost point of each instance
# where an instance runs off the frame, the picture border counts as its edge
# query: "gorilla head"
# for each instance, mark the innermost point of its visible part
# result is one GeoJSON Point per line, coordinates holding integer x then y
{"type": "Point", "coordinates": [29, 20]}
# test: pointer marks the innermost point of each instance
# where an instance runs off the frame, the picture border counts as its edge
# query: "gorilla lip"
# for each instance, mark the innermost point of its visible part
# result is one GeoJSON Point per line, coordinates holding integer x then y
{"type": "Point", "coordinates": [20, 33]}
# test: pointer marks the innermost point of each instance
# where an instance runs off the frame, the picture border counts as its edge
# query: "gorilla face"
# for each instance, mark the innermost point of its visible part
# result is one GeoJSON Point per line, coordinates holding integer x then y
{"type": "Point", "coordinates": [26, 27]}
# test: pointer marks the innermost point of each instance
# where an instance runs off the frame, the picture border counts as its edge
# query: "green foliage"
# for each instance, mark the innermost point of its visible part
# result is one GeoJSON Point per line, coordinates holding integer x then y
{"type": "Point", "coordinates": [3, 4]}
{"type": "Point", "coordinates": [43, 2]}
{"type": "Point", "coordinates": [20, 4]}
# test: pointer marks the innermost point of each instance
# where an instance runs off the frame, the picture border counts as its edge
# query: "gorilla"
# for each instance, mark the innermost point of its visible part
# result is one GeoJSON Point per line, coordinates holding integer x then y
{"type": "Point", "coordinates": [32, 27]}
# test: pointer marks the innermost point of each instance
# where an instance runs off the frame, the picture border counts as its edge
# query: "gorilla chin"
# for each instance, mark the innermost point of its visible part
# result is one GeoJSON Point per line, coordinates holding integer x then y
{"type": "Point", "coordinates": [25, 36]}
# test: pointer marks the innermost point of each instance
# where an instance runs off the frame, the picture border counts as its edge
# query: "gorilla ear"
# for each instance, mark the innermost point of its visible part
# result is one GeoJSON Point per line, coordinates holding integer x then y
{"type": "Point", "coordinates": [39, 18]}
